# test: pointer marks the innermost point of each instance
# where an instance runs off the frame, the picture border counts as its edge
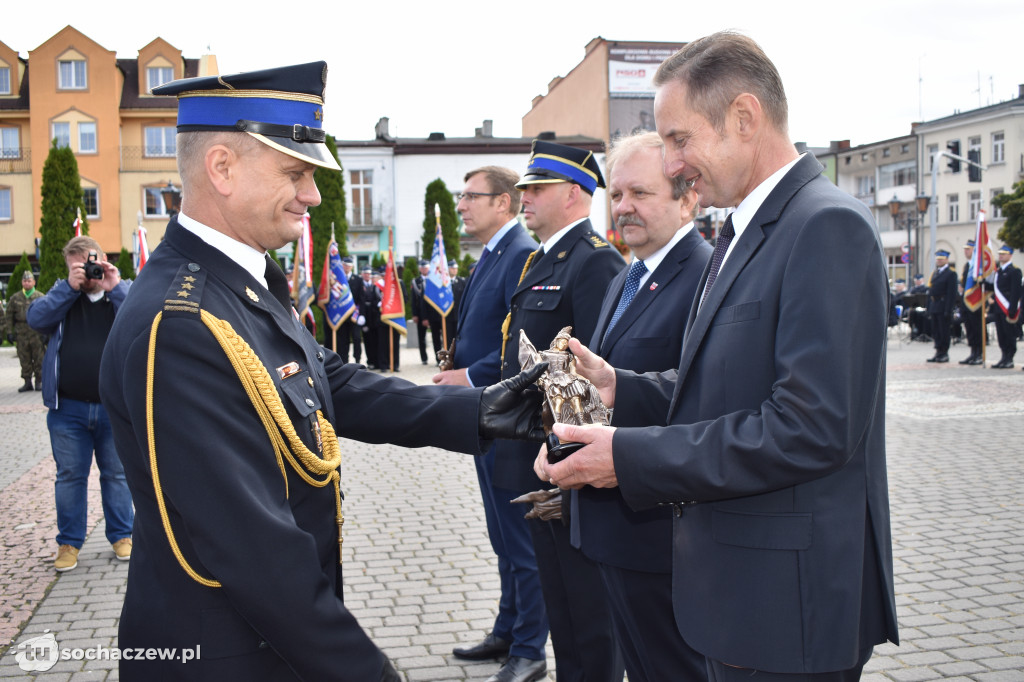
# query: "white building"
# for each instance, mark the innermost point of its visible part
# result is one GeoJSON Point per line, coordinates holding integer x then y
{"type": "Point", "coordinates": [386, 180]}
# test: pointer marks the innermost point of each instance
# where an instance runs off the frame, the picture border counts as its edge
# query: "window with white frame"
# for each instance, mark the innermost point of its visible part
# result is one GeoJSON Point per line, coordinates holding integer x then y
{"type": "Point", "coordinates": [995, 211]}
{"type": "Point", "coordinates": [158, 75]}
{"type": "Point", "coordinates": [361, 186]}
{"type": "Point", "coordinates": [5, 80]}
{"type": "Point", "coordinates": [885, 153]}
{"type": "Point", "coordinates": [973, 204]}
{"type": "Point", "coordinates": [998, 148]}
{"type": "Point", "coordinates": [905, 148]}
{"type": "Point", "coordinates": [896, 174]}
{"type": "Point", "coordinates": [71, 74]}
{"type": "Point", "coordinates": [953, 200]}
{"type": "Point", "coordinates": [10, 143]}
{"type": "Point", "coordinates": [86, 137]}
{"type": "Point", "coordinates": [61, 132]}
{"type": "Point", "coordinates": [91, 197]}
{"type": "Point", "coordinates": [5, 203]}
{"type": "Point", "coordinates": [160, 141]}
{"type": "Point", "coordinates": [865, 185]}
{"type": "Point", "coordinates": [154, 202]}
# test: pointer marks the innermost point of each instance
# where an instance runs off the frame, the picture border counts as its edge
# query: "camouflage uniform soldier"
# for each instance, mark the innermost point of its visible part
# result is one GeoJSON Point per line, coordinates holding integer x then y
{"type": "Point", "coordinates": [31, 343]}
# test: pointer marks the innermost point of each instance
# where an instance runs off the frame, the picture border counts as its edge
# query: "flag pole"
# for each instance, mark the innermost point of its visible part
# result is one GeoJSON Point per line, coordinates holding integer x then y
{"type": "Point", "coordinates": [444, 318]}
{"type": "Point", "coordinates": [984, 325]}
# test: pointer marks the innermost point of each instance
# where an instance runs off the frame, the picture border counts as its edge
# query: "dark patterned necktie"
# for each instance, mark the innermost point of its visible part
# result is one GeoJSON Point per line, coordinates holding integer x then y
{"type": "Point", "coordinates": [277, 284]}
{"type": "Point", "coordinates": [636, 273]}
{"type": "Point", "coordinates": [721, 246]}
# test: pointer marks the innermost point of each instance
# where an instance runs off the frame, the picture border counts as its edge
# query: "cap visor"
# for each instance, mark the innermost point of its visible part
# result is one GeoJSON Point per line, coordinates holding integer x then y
{"type": "Point", "coordinates": [315, 153]}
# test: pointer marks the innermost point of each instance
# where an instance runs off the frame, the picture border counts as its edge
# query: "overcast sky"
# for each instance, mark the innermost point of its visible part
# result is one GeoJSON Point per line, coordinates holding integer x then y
{"type": "Point", "coordinates": [860, 71]}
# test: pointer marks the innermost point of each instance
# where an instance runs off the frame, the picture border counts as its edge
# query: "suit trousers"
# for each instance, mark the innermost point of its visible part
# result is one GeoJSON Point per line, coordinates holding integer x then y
{"type": "Point", "coordinates": [721, 672]}
{"type": "Point", "coordinates": [645, 625]}
{"type": "Point", "coordinates": [940, 332]}
{"type": "Point", "coordinates": [522, 618]}
{"type": "Point", "coordinates": [972, 328]}
{"type": "Point", "coordinates": [582, 633]}
{"type": "Point", "coordinates": [1006, 333]}
{"type": "Point", "coordinates": [349, 334]}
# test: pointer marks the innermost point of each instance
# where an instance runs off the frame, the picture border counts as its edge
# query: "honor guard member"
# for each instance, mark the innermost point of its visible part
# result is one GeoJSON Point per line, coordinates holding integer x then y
{"type": "Point", "coordinates": [971, 318]}
{"type": "Point", "coordinates": [350, 333]}
{"type": "Point", "coordinates": [942, 296]}
{"type": "Point", "coordinates": [458, 288]}
{"type": "Point", "coordinates": [562, 285]}
{"type": "Point", "coordinates": [1007, 307]}
{"type": "Point", "coordinates": [227, 413]}
{"type": "Point", "coordinates": [31, 344]}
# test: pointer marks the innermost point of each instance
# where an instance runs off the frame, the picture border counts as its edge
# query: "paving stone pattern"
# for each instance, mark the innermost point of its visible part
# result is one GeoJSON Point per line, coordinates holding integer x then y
{"type": "Point", "coordinates": [421, 578]}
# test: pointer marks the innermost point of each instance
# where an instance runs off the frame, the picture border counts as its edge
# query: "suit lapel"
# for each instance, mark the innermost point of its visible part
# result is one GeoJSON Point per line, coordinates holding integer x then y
{"type": "Point", "coordinates": [611, 300]}
{"type": "Point", "coordinates": [485, 269]}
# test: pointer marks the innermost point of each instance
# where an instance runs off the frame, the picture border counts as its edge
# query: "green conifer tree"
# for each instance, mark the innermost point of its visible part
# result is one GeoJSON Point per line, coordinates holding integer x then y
{"type": "Point", "coordinates": [437, 193]}
{"type": "Point", "coordinates": [61, 192]}
{"type": "Point", "coordinates": [1012, 206]}
{"type": "Point", "coordinates": [14, 283]}
{"type": "Point", "coordinates": [126, 264]}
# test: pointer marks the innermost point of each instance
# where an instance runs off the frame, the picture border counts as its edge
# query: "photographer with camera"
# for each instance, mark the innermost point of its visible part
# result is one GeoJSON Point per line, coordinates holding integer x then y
{"type": "Point", "coordinates": [77, 314]}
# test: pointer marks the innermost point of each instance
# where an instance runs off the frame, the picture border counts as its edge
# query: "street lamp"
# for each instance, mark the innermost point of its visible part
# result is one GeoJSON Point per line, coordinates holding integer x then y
{"type": "Point", "coordinates": [172, 199]}
{"type": "Point", "coordinates": [921, 203]}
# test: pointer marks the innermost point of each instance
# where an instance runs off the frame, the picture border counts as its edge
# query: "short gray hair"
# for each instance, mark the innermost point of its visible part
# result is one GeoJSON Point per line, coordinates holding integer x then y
{"type": "Point", "coordinates": [625, 146]}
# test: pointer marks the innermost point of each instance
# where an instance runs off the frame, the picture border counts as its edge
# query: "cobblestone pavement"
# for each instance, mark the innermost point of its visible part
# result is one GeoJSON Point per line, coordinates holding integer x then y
{"type": "Point", "coordinates": [420, 576]}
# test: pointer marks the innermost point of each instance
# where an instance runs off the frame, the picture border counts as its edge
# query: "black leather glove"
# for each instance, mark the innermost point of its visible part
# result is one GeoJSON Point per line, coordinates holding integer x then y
{"type": "Point", "coordinates": [389, 674]}
{"type": "Point", "coordinates": [511, 409]}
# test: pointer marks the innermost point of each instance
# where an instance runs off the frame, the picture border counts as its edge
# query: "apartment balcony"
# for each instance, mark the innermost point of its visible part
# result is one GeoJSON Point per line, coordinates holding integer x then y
{"type": "Point", "coordinates": [142, 159]}
{"type": "Point", "coordinates": [16, 160]}
{"type": "Point", "coordinates": [361, 219]}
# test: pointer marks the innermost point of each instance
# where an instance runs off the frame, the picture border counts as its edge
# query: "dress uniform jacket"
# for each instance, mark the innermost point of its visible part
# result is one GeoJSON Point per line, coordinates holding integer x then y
{"type": "Point", "coordinates": [240, 515]}
{"type": "Point", "coordinates": [942, 292]}
{"type": "Point", "coordinates": [563, 288]}
{"type": "Point", "coordinates": [771, 437]}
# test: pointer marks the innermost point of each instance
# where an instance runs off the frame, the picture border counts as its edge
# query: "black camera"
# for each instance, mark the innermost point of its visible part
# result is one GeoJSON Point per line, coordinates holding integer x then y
{"type": "Point", "coordinates": [93, 270]}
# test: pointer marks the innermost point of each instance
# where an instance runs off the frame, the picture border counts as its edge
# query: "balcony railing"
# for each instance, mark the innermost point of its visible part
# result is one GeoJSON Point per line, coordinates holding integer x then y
{"type": "Point", "coordinates": [16, 160]}
{"type": "Point", "coordinates": [137, 159]}
{"type": "Point", "coordinates": [376, 216]}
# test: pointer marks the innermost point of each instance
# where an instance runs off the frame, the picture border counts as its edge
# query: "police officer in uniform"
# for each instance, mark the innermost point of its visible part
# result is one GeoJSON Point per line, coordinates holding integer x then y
{"type": "Point", "coordinates": [224, 407]}
{"type": "Point", "coordinates": [31, 344]}
{"type": "Point", "coordinates": [970, 318]}
{"type": "Point", "coordinates": [1007, 307]}
{"type": "Point", "coordinates": [942, 296]}
{"type": "Point", "coordinates": [562, 285]}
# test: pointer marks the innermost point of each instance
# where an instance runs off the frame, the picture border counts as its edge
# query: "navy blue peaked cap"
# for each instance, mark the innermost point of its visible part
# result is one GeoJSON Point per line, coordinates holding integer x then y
{"type": "Point", "coordinates": [281, 107]}
{"type": "Point", "coordinates": [552, 162]}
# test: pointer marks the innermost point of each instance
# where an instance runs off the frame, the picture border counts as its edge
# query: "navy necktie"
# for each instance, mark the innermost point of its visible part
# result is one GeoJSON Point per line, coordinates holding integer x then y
{"type": "Point", "coordinates": [277, 284]}
{"type": "Point", "coordinates": [483, 256]}
{"type": "Point", "coordinates": [636, 273]}
{"type": "Point", "coordinates": [721, 246]}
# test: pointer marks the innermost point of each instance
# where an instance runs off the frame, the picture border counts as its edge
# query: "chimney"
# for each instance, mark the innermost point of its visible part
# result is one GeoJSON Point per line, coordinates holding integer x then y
{"type": "Point", "coordinates": [436, 137]}
{"type": "Point", "coordinates": [381, 129]}
{"type": "Point", "coordinates": [546, 135]}
{"type": "Point", "coordinates": [488, 130]}
{"type": "Point", "coordinates": [1020, 91]}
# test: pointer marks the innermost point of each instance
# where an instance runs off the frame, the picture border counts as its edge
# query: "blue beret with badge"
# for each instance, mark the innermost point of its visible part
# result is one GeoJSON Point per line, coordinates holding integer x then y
{"type": "Point", "coordinates": [551, 162]}
{"type": "Point", "coordinates": [282, 107]}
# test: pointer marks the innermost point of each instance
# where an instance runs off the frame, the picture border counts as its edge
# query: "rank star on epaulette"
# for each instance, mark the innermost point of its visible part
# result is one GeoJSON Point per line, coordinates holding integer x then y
{"type": "Point", "coordinates": [186, 285]}
{"type": "Point", "coordinates": [561, 254]}
{"type": "Point", "coordinates": [183, 294]}
{"type": "Point", "coordinates": [252, 294]}
{"type": "Point", "coordinates": [189, 278]}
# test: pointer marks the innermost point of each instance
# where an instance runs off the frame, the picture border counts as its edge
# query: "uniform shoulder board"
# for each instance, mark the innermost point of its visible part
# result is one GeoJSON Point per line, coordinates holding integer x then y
{"type": "Point", "coordinates": [596, 241]}
{"type": "Point", "coordinates": [186, 291]}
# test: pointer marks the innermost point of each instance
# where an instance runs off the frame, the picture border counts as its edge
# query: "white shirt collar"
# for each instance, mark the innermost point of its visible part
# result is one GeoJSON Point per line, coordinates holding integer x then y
{"type": "Point", "coordinates": [654, 260]}
{"type": "Point", "coordinates": [254, 262]}
{"type": "Point", "coordinates": [550, 243]}
{"type": "Point", "coordinates": [500, 234]}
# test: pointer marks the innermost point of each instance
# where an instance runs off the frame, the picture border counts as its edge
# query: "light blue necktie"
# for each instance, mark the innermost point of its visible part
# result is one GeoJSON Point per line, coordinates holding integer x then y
{"type": "Point", "coordinates": [636, 272]}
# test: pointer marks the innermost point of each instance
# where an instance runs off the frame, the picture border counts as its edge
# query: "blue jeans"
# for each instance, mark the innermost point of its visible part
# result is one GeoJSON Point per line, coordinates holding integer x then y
{"type": "Point", "coordinates": [77, 429]}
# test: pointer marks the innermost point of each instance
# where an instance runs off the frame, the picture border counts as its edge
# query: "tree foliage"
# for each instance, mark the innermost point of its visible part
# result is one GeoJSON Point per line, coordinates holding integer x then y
{"type": "Point", "coordinates": [125, 264]}
{"type": "Point", "coordinates": [437, 193]}
{"type": "Point", "coordinates": [1012, 206]}
{"type": "Point", "coordinates": [61, 192]}
{"type": "Point", "coordinates": [14, 283]}
{"type": "Point", "coordinates": [331, 184]}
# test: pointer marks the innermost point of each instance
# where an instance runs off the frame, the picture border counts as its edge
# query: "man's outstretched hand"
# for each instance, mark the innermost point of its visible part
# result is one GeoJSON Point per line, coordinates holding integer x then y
{"type": "Point", "coordinates": [511, 409]}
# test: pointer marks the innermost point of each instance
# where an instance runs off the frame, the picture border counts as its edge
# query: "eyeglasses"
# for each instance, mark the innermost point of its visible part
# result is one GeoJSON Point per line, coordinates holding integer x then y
{"type": "Point", "coordinates": [471, 196]}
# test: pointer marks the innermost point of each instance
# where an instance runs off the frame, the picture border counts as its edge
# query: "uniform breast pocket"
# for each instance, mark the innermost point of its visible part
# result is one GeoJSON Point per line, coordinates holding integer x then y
{"type": "Point", "coordinates": [299, 391]}
{"type": "Point", "coordinates": [540, 299]}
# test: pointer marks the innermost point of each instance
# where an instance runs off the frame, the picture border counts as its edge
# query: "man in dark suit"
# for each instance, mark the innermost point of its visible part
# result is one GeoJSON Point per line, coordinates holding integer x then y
{"type": "Point", "coordinates": [228, 441]}
{"type": "Point", "coordinates": [563, 285]}
{"type": "Point", "coordinates": [350, 333]}
{"type": "Point", "coordinates": [971, 318]}
{"type": "Point", "coordinates": [769, 439]}
{"type": "Point", "coordinates": [942, 297]}
{"type": "Point", "coordinates": [370, 309]}
{"type": "Point", "coordinates": [489, 204]}
{"type": "Point", "coordinates": [640, 328]}
{"type": "Point", "coordinates": [458, 289]}
{"type": "Point", "coordinates": [1007, 307]}
{"type": "Point", "coordinates": [425, 316]}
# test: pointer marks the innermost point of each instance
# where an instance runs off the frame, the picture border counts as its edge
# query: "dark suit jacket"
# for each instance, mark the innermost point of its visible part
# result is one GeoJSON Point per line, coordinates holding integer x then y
{"type": "Point", "coordinates": [775, 447]}
{"type": "Point", "coordinates": [647, 338]}
{"type": "Point", "coordinates": [485, 302]}
{"type": "Point", "coordinates": [279, 613]}
{"type": "Point", "coordinates": [563, 288]}
{"type": "Point", "coordinates": [942, 292]}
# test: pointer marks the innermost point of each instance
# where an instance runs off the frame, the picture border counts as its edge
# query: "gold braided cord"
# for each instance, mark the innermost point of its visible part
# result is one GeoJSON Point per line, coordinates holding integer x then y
{"type": "Point", "coordinates": [263, 395]}
{"type": "Point", "coordinates": [508, 318]}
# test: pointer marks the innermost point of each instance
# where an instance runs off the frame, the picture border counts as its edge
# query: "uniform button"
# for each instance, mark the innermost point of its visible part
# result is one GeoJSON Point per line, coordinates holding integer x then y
{"type": "Point", "coordinates": [540, 303]}
{"type": "Point", "coordinates": [263, 644]}
{"type": "Point", "coordinates": [320, 356]}
{"type": "Point", "coordinates": [310, 380]}
{"type": "Point", "coordinates": [677, 510]}
{"type": "Point", "coordinates": [309, 401]}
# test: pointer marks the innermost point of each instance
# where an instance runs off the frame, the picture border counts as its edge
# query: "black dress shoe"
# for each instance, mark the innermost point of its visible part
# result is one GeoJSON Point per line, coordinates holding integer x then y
{"type": "Point", "coordinates": [519, 669]}
{"type": "Point", "coordinates": [934, 358]}
{"type": "Point", "coordinates": [491, 647]}
{"type": "Point", "coordinates": [941, 358]}
{"type": "Point", "coordinates": [1000, 365]}
{"type": "Point", "coordinates": [968, 360]}
{"type": "Point", "coordinates": [976, 360]}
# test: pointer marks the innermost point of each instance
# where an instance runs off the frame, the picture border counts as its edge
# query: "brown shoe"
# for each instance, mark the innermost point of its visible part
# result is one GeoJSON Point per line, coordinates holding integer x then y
{"type": "Point", "coordinates": [67, 558]}
{"type": "Point", "coordinates": [123, 549]}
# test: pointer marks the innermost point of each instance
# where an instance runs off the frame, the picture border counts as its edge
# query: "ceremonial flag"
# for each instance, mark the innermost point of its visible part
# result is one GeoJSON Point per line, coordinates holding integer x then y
{"type": "Point", "coordinates": [392, 307]}
{"type": "Point", "coordinates": [437, 287]}
{"type": "Point", "coordinates": [302, 275]}
{"type": "Point", "coordinates": [334, 296]}
{"type": "Point", "coordinates": [78, 223]}
{"type": "Point", "coordinates": [141, 248]}
{"type": "Point", "coordinates": [983, 265]}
